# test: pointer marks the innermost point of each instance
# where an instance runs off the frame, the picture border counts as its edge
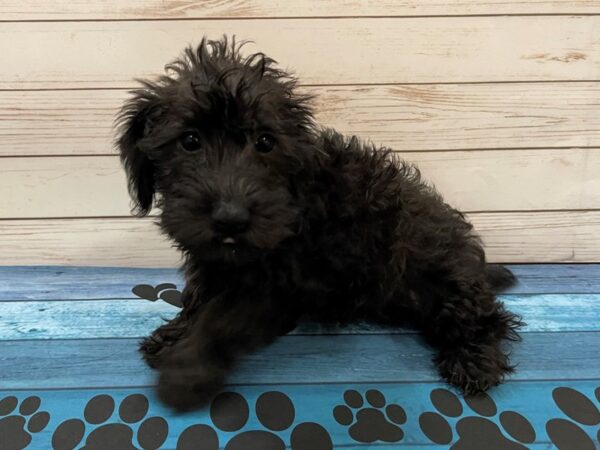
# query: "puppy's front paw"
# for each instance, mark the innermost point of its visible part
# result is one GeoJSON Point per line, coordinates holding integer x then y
{"type": "Point", "coordinates": [186, 388]}
{"type": "Point", "coordinates": [151, 349]}
{"type": "Point", "coordinates": [474, 369]}
{"type": "Point", "coordinates": [155, 347]}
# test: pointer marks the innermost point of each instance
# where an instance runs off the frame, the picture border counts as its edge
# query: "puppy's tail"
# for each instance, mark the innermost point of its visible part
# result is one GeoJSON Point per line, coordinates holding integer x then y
{"type": "Point", "coordinates": [499, 277]}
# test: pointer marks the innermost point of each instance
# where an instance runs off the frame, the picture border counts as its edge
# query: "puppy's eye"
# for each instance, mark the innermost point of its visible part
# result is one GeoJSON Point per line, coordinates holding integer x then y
{"type": "Point", "coordinates": [190, 141]}
{"type": "Point", "coordinates": [265, 143]}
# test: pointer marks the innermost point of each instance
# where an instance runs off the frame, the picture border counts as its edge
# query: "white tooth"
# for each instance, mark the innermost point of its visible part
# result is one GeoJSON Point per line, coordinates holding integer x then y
{"type": "Point", "coordinates": [229, 240]}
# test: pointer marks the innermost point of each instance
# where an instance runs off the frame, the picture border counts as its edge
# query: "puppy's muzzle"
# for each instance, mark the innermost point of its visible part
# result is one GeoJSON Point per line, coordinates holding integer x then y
{"type": "Point", "coordinates": [230, 218]}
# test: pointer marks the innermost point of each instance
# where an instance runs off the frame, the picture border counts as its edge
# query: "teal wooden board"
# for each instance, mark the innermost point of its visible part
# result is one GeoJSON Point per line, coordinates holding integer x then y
{"type": "Point", "coordinates": [378, 416]}
{"type": "Point", "coordinates": [57, 282]}
{"type": "Point", "coordinates": [291, 359]}
{"type": "Point", "coordinates": [63, 283]}
{"type": "Point", "coordinates": [70, 334]}
{"type": "Point", "coordinates": [83, 319]}
{"type": "Point", "coordinates": [556, 279]}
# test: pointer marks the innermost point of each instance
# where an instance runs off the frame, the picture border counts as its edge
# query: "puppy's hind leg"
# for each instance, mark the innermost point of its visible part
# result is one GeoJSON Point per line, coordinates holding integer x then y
{"type": "Point", "coordinates": [469, 328]}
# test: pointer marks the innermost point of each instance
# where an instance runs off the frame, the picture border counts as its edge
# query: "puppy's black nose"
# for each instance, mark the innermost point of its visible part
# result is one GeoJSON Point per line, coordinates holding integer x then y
{"type": "Point", "coordinates": [230, 218]}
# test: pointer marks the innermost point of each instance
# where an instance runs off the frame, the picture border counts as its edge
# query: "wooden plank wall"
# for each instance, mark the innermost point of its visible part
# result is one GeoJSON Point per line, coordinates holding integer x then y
{"type": "Point", "coordinates": [497, 101]}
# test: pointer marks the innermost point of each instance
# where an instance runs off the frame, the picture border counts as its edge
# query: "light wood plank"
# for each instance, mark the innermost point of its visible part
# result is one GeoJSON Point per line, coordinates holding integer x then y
{"type": "Point", "coordinates": [370, 50]}
{"type": "Point", "coordinates": [188, 9]}
{"type": "Point", "coordinates": [315, 403]}
{"type": "Point", "coordinates": [56, 283]}
{"type": "Point", "coordinates": [291, 359]}
{"type": "Point", "coordinates": [405, 117]}
{"type": "Point", "coordinates": [119, 318]}
{"type": "Point", "coordinates": [514, 179]}
{"type": "Point", "coordinates": [561, 236]}
{"type": "Point", "coordinates": [495, 180]}
{"type": "Point", "coordinates": [526, 237]}
{"type": "Point", "coordinates": [128, 242]}
{"type": "Point", "coordinates": [59, 187]}
{"type": "Point", "coordinates": [465, 116]}
{"type": "Point", "coordinates": [120, 242]}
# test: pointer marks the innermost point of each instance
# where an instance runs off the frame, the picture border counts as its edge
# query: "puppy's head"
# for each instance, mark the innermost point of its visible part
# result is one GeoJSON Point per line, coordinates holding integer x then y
{"type": "Point", "coordinates": [219, 144]}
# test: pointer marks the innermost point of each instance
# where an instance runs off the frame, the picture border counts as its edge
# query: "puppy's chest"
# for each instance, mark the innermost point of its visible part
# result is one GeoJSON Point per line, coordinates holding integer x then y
{"type": "Point", "coordinates": [331, 279]}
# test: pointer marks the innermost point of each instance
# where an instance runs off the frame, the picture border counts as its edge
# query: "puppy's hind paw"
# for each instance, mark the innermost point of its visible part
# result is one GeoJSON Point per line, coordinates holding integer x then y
{"type": "Point", "coordinates": [474, 370]}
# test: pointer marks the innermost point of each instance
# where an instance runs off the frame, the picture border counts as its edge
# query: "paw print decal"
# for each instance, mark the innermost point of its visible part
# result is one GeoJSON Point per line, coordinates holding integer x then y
{"type": "Point", "coordinates": [165, 291]}
{"type": "Point", "coordinates": [275, 412]}
{"type": "Point", "coordinates": [371, 423]}
{"type": "Point", "coordinates": [570, 434]}
{"type": "Point", "coordinates": [474, 431]}
{"type": "Point", "coordinates": [103, 433]}
{"type": "Point", "coordinates": [16, 429]}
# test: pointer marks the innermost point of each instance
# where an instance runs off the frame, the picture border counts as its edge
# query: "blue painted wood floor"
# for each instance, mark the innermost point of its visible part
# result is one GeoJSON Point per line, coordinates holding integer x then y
{"type": "Point", "coordinates": [70, 375]}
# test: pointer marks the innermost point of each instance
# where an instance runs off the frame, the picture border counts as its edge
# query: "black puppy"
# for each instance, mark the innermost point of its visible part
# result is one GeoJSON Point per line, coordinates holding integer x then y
{"type": "Point", "coordinates": [279, 221]}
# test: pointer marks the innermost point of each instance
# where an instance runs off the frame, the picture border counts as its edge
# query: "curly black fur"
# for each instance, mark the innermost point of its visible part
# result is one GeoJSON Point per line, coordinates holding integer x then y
{"type": "Point", "coordinates": [332, 229]}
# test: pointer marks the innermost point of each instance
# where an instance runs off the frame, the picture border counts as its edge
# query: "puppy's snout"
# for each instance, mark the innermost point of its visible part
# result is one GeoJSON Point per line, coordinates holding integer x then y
{"type": "Point", "coordinates": [230, 218]}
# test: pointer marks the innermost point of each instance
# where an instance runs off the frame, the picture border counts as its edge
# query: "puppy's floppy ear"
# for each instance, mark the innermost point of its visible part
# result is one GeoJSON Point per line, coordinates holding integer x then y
{"type": "Point", "coordinates": [135, 123]}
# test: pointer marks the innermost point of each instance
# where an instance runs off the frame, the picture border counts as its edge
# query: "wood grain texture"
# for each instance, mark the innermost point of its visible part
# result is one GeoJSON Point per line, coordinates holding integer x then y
{"type": "Point", "coordinates": [119, 318]}
{"type": "Point", "coordinates": [517, 237]}
{"type": "Point", "coordinates": [315, 403]}
{"type": "Point", "coordinates": [494, 180]}
{"type": "Point", "coordinates": [404, 117]}
{"type": "Point", "coordinates": [120, 242]}
{"type": "Point", "coordinates": [540, 237]}
{"type": "Point", "coordinates": [556, 279]}
{"type": "Point", "coordinates": [58, 283]}
{"type": "Point", "coordinates": [63, 187]}
{"type": "Point", "coordinates": [188, 9]}
{"type": "Point", "coordinates": [347, 51]}
{"type": "Point", "coordinates": [291, 359]}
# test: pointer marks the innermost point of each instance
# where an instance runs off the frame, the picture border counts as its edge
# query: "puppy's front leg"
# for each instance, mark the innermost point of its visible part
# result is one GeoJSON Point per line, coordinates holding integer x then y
{"type": "Point", "coordinates": [194, 368]}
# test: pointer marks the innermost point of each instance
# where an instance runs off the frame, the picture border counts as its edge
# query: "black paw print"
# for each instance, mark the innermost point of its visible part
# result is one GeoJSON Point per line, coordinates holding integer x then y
{"type": "Point", "coordinates": [165, 291]}
{"type": "Point", "coordinates": [567, 435]}
{"type": "Point", "coordinates": [229, 412]}
{"type": "Point", "coordinates": [151, 432]}
{"type": "Point", "coordinates": [474, 431]}
{"type": "Point", "coordinates": [371, 423]}
{"type": "Point", "coordinates": [16, 429]}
